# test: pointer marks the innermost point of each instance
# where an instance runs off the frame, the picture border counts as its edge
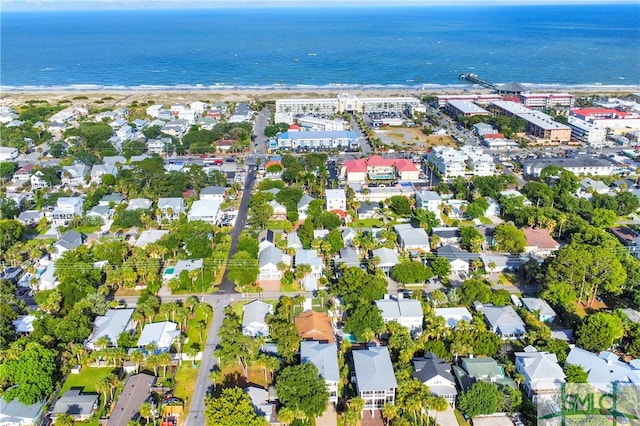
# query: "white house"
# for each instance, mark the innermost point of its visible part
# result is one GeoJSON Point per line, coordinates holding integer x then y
{"type": "Point", "coordinates": [171, 207]}
{"type": "Point", "coordinates": [335, 199]}
{"type": "Point", "coordinates": [38, 181]}
{"type": "Point", "coordinates": [212, 193]}
{"type": "Point", "coordinates": [542, 374]}
{"type": "Point", "coordinates": [429, 200]}
{"type": "Point", "coordinates": [205, 210]}
{"type": "Point", "coordinates": [412, 239]}
{"type": "Point", "coordinates": [66, 208]}
{"type": "Point", "coordinates": [325, 357]}
{"type": "Point", "coordinates": [268, 260]}
{"type": "Point", "coordinates": [406, 312]}
{"type": "Point", "coordinates": [375, 379]}
{"type": "Point", "coordinates": [436, 373]}
{"type": "Point", "coordinates": [75, 175]}
{"type": "Point", "coordinates": [8, 153]}
{"type": "Point", "coordinates": [253, 318]}
{"type": "Point", "coordinates": [161, 334]}
{"type": "Point", "coordinates": [453, 315]}
{"type": "Point", "coordinates": [100, 170]}
{"type": "Point", "coordinates": [110, 325]}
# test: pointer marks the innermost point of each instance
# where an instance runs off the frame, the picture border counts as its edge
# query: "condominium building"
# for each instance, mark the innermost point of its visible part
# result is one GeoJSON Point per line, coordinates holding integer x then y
{"type": "Point", "coordinates": [587, 132]}
{"type": "Point", "coordinates": [442, 100]}
{"type": "Point", "coordinates": [579, 165]}
{"type": "Point", "coordinates": [332, 139]}
{"type": "Point", "coordinates": [539, 125]}
{"type": "Point", "coordinates": [346, 103]}
{"type": "Point", "coordinates": [547, 100]}
{"type": "Point", "coordinates": [447, 161]}
{"type": "Point", "coordinates": [457, 108]}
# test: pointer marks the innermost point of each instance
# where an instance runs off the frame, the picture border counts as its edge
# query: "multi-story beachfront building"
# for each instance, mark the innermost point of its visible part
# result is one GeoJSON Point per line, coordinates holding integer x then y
{"type": "Point", "coordinates": [457, 108]}
{"type": "Point", "coordinates": [587, 132]}
{"type": "Point", "coordinates": [347, 103]}
{"type": "Point", "coordinates": [547, 100]}
{"type": "Point", "coordinates": [539, 125]}
{"type": "Point", "coordinates": [482, 99]}
{"type": "Point", "coordinates": [318, 140]}
{"type": "Point", "coordinates": [448, 161]}
{"type": "Point", "coordinates": [579, 165]}
{"type": "Point", "coordinates": [479, 163]}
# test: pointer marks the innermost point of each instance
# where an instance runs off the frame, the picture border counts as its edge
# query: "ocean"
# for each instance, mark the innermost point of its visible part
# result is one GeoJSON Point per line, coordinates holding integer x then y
{"type": "Point", "coordinates": [321, 47]}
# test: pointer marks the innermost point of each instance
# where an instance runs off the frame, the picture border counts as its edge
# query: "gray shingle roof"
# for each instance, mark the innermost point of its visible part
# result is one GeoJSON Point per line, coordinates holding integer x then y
{"type": "Point", "coordinates": [387, 256]}
{"type": "Point", "coordinates": [70, 240]}
{"type": "Point", "coordinates": [374, 370]}
{"type": "Point", "coordinates": [76, 404]}
{"type": "Point", "coordinates": [431, 366]}
{"type": "Point", "coordinates": [270, 255]}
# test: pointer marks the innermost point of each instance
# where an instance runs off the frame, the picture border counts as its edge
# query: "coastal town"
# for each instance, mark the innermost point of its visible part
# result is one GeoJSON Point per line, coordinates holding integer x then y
{"type": "Point", "coordinates": [349, 259]}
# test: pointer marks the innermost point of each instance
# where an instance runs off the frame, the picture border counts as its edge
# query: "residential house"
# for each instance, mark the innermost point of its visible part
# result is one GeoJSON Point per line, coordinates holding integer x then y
{"type": "Point", "coordinates": [137, 390]}
{"type": "Point", "coordinates": [171, 207]}
{"type": "Point", "coordinates": [542, 374]}
{"type": "Point", "coordinates": [15, 413]}
{"type": "Point", "coordinates": [101, 212]}
{"type": "Point", "coordinates": [268, 260]}
{"type": "Point", "coordinates": [348, 256]}
{"type": "Point", "coordinates": [149, 237]}
{"type": "Point", "coordinates": [254, 316]}
{"type": "Point", "coordinates": [66, 209]}
{"type": "Point", "coordinates": [30, 217]}
{"type": "Point", "coordinates": [311, 258]}
{"type": "Point", "coordinates": [110, 325]}
{"type": "Point", "coordinates": [212, 193]}
{"type": "Point", "coordinates": [535, 304]}
{"type": "Point", "coordinates": [412, 239]}
{"type": "Point", "coordinates": [23, 174]}
{"type": "Point", "coordinates": [494, 207]}
{"type": "Point", "coordinates": [629, 237]}
{"type": "Point", "coordinates": [303, 206]}
{"type": "Point", "coordinates": [293, 241]}
{"type": "Point", "coordinates": [447, 234]}
{"type": "Point", "coordinates": [266, 238]}
{"type": "Point", "coordinates": [388, 258]}
{"type": "Point", "coordinates": [590, 186]}
{"type": "Point", "coordinates": [406, 312]}
{"type": "Point", "coordinates": [39, 181]}
{"type": "Point", "coordinates": [99, 170]}
{"type": "Point", "coordinates": [453, 315]}
{"type": "Point", "coordinates": [75, 175]}
{"type": "Point", "coordinates": [206, 211]}
{"type": "Point", "coordinates": [313, 325]}
{"type": "Point", "coordinates": [71, 240]}
{"type": "Point", "coordinates": [375, 380]}
{"type": "Point", "coordinates": [459, 260]}
{"type": "Point", "coordinates": [348, 234]}
{"type": "Point", "coordinates": [499, 262]}
{"type": "Point", "coordinates": [182, 265]}
{"type": "Point", "coordinates": [605, 369]}
{"type": "Point", "coordinates": [325, 357]}
{"type": "Point", "coordinates": [8, 153]}
{"type": "Point", "coordinates": [161, 334]}
{"type": "Point", "coordinates": [279, 210]}
{"type": "Point", "coordinates": [367, 210]}
{"type": "Point", "coordinates": [504, 321]}
{"type": "Point", "coordinates": [78, 405]}
{"type": "Point", "coordinates": [471, 370]}
{"type": "Point", "coordinates": [436, 373]}
{"type": "Point", "coordinates": [539, 242]}
{"type": "Point", "coordinates": [140, 203]}
{"type": "Point", "coordinates": [108, 200]}
{"type": "Point", "coordinates": [335, 199]}
{"type": "Point", "coordinates": [429, 200]}
{"type": "Point", "coordinates": [24, 324]}
{"type": "Point", "coordinates": [261, 403]}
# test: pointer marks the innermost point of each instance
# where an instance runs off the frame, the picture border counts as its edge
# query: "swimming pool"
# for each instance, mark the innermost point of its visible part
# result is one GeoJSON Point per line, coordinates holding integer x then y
{"type": "Point", "coordinates": [169, 271]}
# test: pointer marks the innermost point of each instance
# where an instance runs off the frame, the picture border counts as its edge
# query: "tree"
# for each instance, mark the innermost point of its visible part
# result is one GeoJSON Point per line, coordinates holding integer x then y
{"type": "Point", "coordinates": [300, 388]}
{"type": "Point", "coordinates": [364, 319]}
{"type": "Point", "coordinates": [603, 218]}
{"type": "Point", "coordinates": [509, 239]}
{"type": "Point", "coordinates": [34, 372]}
{"type": "Point", "coordinates": [11, 231]}
{"type": "Point", "coordinates": [598, 331]}
{"type": "Point", "coordinates": [356, 285]}
{"type": "Point", "coordinates": [243, 269]}
{"type": "Point", "coordinates": [471, 238]}
{"type": "Point", "coordinates": [146, 411]}
{"type": "Point", "coordinates": [481, 398]}
{"type": "Point", "coordinates": [400, 205]}
{"type": "Point", "coordinates": [233, 407]}
{"type": "Point", "coordinates": [64, 419]}
{"type": "Point", "coordinates": [441, 267]}
{"type": "Point", "coordinates": [411, 272]}
{"type": "Point", "coordinates": [473, 290]}
{"type": "Point", "coordinates": [575, 373]}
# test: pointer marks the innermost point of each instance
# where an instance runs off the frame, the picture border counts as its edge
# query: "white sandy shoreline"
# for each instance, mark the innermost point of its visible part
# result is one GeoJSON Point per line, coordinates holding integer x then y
{"type": "Point", "coordinates": [118, 96]}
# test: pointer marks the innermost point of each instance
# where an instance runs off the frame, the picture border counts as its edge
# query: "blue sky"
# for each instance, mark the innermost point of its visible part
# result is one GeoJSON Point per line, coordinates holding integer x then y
{"type": "Point", "coordinates": [35, 5]}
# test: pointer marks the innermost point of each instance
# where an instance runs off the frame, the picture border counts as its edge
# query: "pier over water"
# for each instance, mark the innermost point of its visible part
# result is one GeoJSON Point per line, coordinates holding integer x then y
{"type": "Point", "coordinates": [473, 78]}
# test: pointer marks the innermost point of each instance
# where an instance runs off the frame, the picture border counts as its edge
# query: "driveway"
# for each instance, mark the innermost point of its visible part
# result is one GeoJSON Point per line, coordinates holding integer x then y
{"type": "Point", "coordinates": [445, 418]}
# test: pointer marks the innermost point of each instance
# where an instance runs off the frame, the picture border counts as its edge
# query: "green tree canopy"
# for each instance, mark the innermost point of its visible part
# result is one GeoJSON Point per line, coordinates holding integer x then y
{"type": "Point", "coordinates": [301, 389]}
{"type": "Point", "coordinates": [599, 331]}
{"type": "Point", "coordinates": [243, 269]}
{"type": "Point", "coordinates": [32, 373]}
{"type": "Point", "coordinates": [509, 239]}
{"type": "Point", "coordinates": [356, 285]}
{"type": "Point", "coordinates": [364, 319]}
{"type": "Point", "coordinates": [575, 373]}
{"type": "Point", "coordinates": [411, 272]}
{"type": "Point", "coordinates": [233, 407]}
{"type": "Point", "coordinates": [481, 398]}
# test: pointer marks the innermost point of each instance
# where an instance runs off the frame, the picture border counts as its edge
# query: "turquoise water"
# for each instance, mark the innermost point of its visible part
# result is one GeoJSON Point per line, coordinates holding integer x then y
{"type": "Point", "coordinates": [169, 271]}
{"type": "Point", "coordinates": [411, 46]}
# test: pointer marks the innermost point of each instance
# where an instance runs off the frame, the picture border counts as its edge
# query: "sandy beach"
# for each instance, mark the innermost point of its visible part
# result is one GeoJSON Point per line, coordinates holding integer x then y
{"type": "Point", "coordinates": [121, 97]}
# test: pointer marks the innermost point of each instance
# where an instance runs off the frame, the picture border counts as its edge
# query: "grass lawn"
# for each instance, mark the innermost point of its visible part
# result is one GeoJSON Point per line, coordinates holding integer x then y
{"type": "Point", "coordinates": [86, 230]}
{"type": "Point", "coordinates": [87, 378]}
{"type": "Point", "coordinates": [485, 220]}
{"type": "Point", "coordinates": [293, 287]}
{"type": "Point", "coordinates": [233, 376]}
{"type": "Point", "coordinates": [186, 376]}
{"type": "Point", "coordinates": [460, 418]}
{"type": "Point", "coordinates": [279, 224]}
{"type": "Point", "coordinates": [367, 223]}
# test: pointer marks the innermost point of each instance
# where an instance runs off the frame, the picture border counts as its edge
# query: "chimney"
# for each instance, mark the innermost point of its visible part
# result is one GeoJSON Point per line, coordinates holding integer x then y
{"type": "Point", "coordinates": [400, 295]}
{"type": "Point", "coordinates": [470, 356]}
{"type": "Point", "coordinates": [386, 297]}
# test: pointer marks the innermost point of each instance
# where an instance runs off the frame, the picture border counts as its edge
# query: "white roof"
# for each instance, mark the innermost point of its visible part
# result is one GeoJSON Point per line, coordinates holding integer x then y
{"type": "Point", "coordinates": [111, 324]}
{"type": "Point", "coordinates": [161, 334]}
{"type": "Point", "coordinates": [204, 208]}
{"type": "Point", "coordinates": [453, 315]}
{"type": "Point", "coordinates": [394, 307]}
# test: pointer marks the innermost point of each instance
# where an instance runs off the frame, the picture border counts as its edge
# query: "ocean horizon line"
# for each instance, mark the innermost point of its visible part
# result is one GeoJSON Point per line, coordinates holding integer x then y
{"type": "Point", "coordinates": [304, 87]}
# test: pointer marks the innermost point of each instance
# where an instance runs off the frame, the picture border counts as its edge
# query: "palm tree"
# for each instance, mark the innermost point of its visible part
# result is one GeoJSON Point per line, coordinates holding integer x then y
{"type": "Point", "coordinates": [146, 411]}
{"type": "Point", "coordinates": [103, 386]}
{"type": "Point", "coordinates": [193, 275]}
{"type": "Point", "coordinates": [113, 382]}
{"type": "Point", "coordinates": [137, 356]}
{"type": "Point", "coordinates": [389, 412]}
{"type": "Point", "coordinates": [102, 342]}
{"type": "Point", "coordinates": [206, 309]}
{"type": "Point", "coordinates": [200, 326]}
{"type": "Point", "coordinates": [164, 360]}
{"type": "Point", "coordinates": [192, 300]}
